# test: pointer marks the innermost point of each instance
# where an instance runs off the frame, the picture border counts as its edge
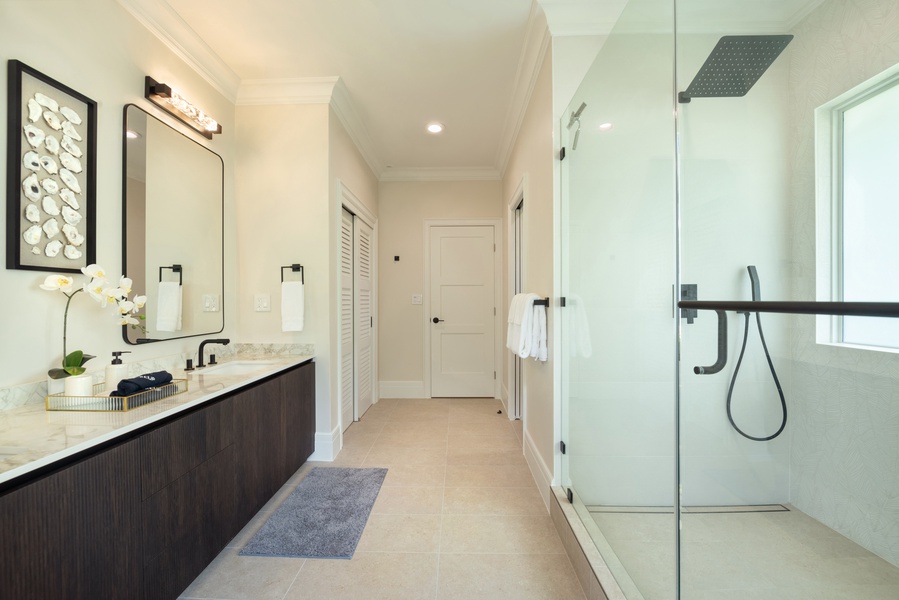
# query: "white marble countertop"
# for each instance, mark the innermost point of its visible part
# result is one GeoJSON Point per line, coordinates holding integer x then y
{"type": "Point", "coordinates": [32, 437]}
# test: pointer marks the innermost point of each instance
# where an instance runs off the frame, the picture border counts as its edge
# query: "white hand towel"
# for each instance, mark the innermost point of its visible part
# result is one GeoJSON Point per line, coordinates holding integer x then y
{"type": "Point", "coordinates": [513, 330]}
{"type": "Point", "coordinates": [293, 306]}
{"type": "Point", "coordinates": [527, 325]}
{"type": "Point", "coordinates": [538, 337]}
{"type": "Point", "coordinates": [168, 306]}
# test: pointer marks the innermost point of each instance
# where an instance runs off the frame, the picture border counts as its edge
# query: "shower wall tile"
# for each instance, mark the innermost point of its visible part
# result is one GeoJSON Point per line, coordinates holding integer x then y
{"type": "Point", "coordinates": [845, 419]}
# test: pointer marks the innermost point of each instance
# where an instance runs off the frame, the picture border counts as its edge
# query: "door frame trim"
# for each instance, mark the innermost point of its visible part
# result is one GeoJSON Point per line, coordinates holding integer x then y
{"type": "Point", "coordinates": [519, 196]}
{"type": "Point", "coordinates": [498, 290]}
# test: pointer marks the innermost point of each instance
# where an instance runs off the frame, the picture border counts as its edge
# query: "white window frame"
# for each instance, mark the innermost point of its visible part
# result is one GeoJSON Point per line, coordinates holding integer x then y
{"type": "Point", "coordinates": [829, 204]}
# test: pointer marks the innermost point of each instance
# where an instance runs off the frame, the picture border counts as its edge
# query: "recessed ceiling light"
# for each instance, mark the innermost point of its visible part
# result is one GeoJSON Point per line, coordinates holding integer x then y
{"type": "Point", "coordinates": [435, 127]}
{"type": "Point", "coordinates": [606, 127]}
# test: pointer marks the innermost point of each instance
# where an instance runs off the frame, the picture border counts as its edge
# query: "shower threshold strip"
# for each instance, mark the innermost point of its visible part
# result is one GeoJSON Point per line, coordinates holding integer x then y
{"type": "Point", "coordinates": [705, 510]}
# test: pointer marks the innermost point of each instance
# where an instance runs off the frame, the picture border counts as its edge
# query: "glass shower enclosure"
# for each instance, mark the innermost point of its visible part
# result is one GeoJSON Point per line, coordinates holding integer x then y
{"type": "Point", "coordinates": [729, 365]}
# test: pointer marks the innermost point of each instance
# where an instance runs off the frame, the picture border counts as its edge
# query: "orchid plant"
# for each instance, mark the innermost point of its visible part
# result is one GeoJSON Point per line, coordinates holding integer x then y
{"type": "Point", "coordinates": [105, 293]}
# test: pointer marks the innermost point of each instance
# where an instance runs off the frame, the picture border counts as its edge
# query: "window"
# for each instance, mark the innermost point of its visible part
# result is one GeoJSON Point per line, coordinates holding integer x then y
{"type": "Point", "coordinates": [862, 192]}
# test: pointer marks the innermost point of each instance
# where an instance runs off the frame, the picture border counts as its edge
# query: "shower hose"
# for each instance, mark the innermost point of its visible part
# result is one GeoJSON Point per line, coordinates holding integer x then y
{"type": "Point", "coordinates": [753, 276]}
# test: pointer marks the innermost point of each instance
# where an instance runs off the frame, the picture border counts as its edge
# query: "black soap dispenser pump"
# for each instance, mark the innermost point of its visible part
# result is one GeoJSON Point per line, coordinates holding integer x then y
{"type": "Point", "coordinates": [116, 370]}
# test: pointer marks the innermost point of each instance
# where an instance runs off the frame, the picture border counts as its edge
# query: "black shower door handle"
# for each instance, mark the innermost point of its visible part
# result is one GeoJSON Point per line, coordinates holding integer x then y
{"type": "Point", "coordinates": [435, 320]}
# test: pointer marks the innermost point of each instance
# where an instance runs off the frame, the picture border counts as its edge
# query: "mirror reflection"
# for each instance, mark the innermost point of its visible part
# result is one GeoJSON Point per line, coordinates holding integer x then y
{"type": "Point", "coordinates": [173, 231]}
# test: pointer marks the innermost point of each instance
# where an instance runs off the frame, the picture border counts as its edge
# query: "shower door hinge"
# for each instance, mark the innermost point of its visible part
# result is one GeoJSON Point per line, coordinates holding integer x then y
{"type": "Point", "coordinates": [562, 153]}
{"type": "Point", "coordinates": [570, 495]}
{"type": "Point", "coordinates": [562, 447]}
{"type": "Point", "coordinates": [562, 301]}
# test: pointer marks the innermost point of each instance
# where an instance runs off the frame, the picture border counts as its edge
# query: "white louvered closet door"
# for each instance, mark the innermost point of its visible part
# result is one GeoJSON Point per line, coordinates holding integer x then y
{"type": "Point", "coordinates": [364, 316]}
{"type": "Point", "coordinates": [347, 355]}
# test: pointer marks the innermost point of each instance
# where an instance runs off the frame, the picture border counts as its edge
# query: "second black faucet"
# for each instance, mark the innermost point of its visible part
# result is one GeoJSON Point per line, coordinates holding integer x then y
{"type": "Point", "coordinates": [223, 341]}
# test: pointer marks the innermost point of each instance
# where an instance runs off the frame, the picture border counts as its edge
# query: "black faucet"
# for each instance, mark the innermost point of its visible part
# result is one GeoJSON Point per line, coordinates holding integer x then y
{"type": "Point", "coordinates": [223, 341]}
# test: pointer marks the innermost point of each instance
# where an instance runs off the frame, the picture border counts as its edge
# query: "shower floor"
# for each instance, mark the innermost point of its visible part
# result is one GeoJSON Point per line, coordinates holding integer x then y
{"type": "Point", "coordinates": [747, 553]}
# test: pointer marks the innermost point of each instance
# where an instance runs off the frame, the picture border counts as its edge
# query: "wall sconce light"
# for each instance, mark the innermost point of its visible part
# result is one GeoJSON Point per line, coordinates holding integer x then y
{"type": "Point", "coordinates": [162, 96]}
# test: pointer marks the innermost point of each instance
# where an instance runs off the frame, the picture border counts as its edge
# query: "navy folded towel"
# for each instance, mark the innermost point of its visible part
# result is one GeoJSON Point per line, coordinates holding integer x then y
{"type": "Point", "coordinates": [141, 383]}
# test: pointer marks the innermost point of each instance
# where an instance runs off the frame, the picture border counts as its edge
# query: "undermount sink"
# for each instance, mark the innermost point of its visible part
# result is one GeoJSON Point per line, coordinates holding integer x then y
{"type": "Point", "coordinates": [238, 367]}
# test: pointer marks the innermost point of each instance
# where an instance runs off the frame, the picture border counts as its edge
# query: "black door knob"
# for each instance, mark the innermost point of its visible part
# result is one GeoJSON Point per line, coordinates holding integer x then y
{"type": "Point", "coordinates": [435, 320]}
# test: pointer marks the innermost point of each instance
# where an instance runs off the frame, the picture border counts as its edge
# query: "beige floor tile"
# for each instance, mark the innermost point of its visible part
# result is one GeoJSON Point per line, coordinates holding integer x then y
{"type": "Point", "coordinates": [484, 456]}
{"type": "Point", "coordinates": [488, 476]}
{"type": "Point", "coordinates": [409, 500]}
{"type": "Point", "coordinates": [507, 577]}
{"type": "Point", "coordinates": [238, 577]}
{"type": "Point", "coordinates": [499, 535]}
{"type": "Point", "coordinates": [400, 533]}
{"type": "Point", "coordinates": [411, 439]}
{"type": "Point", "coordinates": [369, 575]}
{"type": "Point", "coordinates": [414, 475]}
{"type": "Point", "coordinates": [501, 441]}
{"type": "Point", "coordinates": [493, 501]}
{"type": "Point", "coordinates": [385, 456]}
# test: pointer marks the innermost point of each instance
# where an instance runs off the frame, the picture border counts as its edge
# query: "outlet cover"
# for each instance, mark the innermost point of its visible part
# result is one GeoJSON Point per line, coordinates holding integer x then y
{"type": "Point", "coordinates": [210, 302]}
{"type": "Point", "coordinates": [262, 302]}
{"type": "Point", "coordinates": [416, 298]}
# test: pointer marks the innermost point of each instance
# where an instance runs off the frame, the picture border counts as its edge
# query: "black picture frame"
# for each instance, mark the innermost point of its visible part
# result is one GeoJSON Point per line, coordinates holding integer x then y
{"type": "Point", "coordinates": [40, 187]}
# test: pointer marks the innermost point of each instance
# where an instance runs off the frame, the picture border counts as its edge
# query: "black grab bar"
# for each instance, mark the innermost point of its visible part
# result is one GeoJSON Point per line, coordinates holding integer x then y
{"type": "Point", "coordinates": [850, 309]}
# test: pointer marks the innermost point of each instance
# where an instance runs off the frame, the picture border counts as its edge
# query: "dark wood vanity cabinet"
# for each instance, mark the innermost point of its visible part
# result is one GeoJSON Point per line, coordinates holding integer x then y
{"type": "Point", "coordinates": [143, 518]}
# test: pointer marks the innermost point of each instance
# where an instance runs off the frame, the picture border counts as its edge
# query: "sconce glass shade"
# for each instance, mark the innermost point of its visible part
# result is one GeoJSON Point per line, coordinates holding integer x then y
{"type": "Point", "coordinates": [165, 98]}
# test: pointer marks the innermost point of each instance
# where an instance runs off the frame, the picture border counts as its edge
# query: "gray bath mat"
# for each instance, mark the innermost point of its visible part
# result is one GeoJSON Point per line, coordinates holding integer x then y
{"type": "Point", "coordinates": [322, 518]}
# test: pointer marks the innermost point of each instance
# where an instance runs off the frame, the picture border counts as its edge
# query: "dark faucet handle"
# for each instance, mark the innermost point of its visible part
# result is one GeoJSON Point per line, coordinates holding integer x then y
{"type": "Point", "coordinates": [212, 359]}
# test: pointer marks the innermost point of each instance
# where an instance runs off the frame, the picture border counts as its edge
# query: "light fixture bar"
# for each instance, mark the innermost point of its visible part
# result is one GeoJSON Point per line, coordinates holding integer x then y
{"type": "Point", "coordinates": [172, 102]}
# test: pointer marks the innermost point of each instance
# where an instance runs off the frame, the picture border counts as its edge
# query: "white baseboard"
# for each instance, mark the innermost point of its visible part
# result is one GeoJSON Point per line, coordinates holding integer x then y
{"type": "Point", "coordinates": [327, 445]}
{"type": "Point", "coordinates": [542, 474]}
{"type": "Point", "coordinates": [402, 389]}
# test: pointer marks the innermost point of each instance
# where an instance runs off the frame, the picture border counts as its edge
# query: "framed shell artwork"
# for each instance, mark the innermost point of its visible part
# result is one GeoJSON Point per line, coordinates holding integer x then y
{"type": "Point", "coordinates": [51, 174]}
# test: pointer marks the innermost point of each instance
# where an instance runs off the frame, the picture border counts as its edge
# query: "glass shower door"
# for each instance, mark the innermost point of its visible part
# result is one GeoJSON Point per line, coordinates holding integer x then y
{"type": "Point", "coordinates": [618, 272]}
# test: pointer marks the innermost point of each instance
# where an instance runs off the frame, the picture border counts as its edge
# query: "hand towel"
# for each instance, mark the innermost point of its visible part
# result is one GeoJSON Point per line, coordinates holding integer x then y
{"type": "Point", "coordinates": [293, 306]}
{"type": "Point", "coordinates": [521, 313]}
{"type": "Point", "coordinates": [538, 335]}
{"type": "Point", "coordinates": [141, 383]}
{"type": "Point", "coordinates": [168, 306]}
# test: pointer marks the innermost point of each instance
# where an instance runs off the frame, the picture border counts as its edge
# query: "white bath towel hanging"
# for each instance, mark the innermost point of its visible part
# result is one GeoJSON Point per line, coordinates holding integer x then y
{"type": "Point", "coordinates": [519, 336]}
{"type": "Point", "coordinates": [168, 306]}
{"type": "Point", "coordinates": [538, 335]}
{"type": "Point", "coordinates": [293, 306]}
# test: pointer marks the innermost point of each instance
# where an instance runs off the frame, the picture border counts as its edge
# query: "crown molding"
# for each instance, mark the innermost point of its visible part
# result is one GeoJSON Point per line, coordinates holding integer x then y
{"type": "Point", "coordinates": [162, 21]}
{"type": "Point", "coordinates": [346, 112]}
{"type": "Point", "coordinates": [441, 174]}
{"type": "Point", "coordinates": [534, 50]}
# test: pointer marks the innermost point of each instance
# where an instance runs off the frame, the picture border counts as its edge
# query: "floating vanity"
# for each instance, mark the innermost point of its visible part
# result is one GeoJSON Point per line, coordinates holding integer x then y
{"type": "Point", "coordinates": [137, 504]}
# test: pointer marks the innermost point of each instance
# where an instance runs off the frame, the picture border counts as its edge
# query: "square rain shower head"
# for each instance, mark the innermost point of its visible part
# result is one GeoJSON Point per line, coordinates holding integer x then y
{"type": "Point", "coordinates": [734, 65]}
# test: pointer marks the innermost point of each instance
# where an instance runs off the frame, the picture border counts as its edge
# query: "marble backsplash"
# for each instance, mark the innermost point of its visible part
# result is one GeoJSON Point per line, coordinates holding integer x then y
{"type": "Point", "coordinates": [36, 392]}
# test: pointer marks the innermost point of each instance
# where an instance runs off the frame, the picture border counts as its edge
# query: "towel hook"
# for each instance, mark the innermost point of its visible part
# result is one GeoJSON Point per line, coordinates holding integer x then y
{"type": "Point", "coordinates": [294, 268]}
{"type": "Point", "coordinates": [175, 269]}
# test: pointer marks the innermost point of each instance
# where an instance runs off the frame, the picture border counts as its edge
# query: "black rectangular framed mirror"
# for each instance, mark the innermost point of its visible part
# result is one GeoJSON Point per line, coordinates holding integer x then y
{"type": "Point", "coordinates": [172, 229]}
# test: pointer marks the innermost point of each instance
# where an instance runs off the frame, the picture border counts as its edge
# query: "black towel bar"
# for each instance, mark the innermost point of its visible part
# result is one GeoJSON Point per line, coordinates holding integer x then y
{"type": "Point", "coordinates": [543, 302]}
{"type": "Point", "coordinates": [175, 269]}
{"type": "Point", "coordinates": [294, 268]}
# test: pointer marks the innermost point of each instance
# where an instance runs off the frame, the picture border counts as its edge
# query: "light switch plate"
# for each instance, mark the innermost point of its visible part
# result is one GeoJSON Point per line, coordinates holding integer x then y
{"type": "Point", "coordinates": [262, 302]}
{"type": "Point", "coordinates": [210, 302]}
{"type": "Point", "coordinates": [416, 298]}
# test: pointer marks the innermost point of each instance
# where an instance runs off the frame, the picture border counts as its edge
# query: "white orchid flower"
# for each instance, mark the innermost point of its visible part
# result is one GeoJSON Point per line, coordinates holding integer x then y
{"type": "Point", "coordinates": [125, 307]}
{"type": "Point", "coordinates": [112, 295]}
{"type": "Point", "coordinates": [125, 284]}
{"type": "Point", "coordinates": [95, 288]}
{"type": "Point", "coordinates": [128, 320]}
{"type": "Point", "coordinates": [94, 271]}
{"type": "Point", "coordinates": [139, 302]}
{"type": "Point", "coordinates": [62, 283]}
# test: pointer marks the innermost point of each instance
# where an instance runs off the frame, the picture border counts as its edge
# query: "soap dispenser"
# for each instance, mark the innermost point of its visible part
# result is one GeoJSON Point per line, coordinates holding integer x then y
{"type": "Point", "coordinates": [116, 370]}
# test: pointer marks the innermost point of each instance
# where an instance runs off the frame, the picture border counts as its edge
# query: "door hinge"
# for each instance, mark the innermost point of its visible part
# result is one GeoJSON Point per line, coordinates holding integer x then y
{"type": "Point", "coordinates": [562, 301]}
{"type": "Point", "coordinates": [371, 322]}
{"type": "Point", "coordinates": [494, 247]}
{"type": "Point", "coordinates": [494, 374]}
{"type": "Point", "coordinates": [562, 153]}
{"type": "Point", "coordinates": [570, 495]}
{"type": "Point", "coordinates": [562, 447]}
{"type": "Point", "coordinates": [494, 311]}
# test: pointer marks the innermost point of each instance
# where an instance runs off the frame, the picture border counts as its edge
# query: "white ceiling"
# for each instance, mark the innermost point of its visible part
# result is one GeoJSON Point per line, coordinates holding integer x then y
{"type": "Point", "coordinates": [468, 64]}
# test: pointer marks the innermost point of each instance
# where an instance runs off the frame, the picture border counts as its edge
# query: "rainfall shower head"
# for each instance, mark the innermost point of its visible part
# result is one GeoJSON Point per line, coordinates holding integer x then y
{"type": "Point", "coordinates": [734, 65]}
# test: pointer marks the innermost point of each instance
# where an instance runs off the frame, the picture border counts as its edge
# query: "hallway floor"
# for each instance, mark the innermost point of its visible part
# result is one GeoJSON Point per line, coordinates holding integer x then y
{"type": "Point", "coordinates": [458, 517]}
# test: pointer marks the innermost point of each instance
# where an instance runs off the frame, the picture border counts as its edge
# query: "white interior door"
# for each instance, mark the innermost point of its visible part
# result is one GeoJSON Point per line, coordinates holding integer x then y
{"type": "Point", "coordinates": [362, 254]}
{"type": "Point", "coordinates": [347, 337]}
{"type": "Point", "coordinates": [462, 277]}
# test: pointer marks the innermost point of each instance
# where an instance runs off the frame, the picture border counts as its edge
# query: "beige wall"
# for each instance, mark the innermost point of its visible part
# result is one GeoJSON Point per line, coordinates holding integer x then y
{"type": "Point", "coordinates": [532, 158]}
{"type": "Point", "coordinates": [108, 66]}
{"type": "Point", "coordinates": [403, 208]}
